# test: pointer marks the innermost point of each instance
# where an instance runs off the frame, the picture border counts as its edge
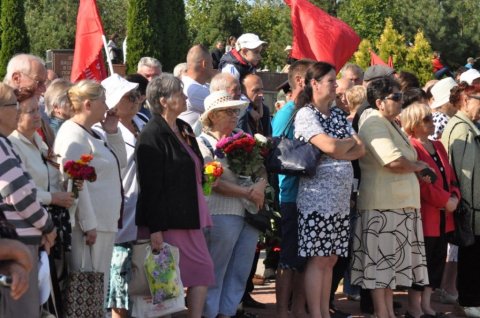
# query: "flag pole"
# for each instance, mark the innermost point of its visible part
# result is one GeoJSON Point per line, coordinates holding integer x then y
{"type": "Point", "coordinates": [109, 61]}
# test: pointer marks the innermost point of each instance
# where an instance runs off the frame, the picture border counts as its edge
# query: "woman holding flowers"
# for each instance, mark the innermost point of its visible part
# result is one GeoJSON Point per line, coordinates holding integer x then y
{"type": "Point", "coordinates": [231, 241]}
{"type": "Point", "coordinates": [171, 207]}
{"type": "Point", "coordinates": [94, 222]}
{"type": "Point", "coordinates": [324, 200]}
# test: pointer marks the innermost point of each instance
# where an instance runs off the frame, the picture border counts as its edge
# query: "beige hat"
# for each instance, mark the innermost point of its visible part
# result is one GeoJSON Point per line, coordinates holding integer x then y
{"type": "Point", "coordinates": [115, 88]}
{"type": "Point", "coordinates": [441, 91]}
{"type": "Point", "coordinates": [220, 100]}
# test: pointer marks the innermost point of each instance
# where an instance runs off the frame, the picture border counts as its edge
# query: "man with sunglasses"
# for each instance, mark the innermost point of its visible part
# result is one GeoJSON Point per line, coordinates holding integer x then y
{"type": "Point", "coordinates": [244, 58]}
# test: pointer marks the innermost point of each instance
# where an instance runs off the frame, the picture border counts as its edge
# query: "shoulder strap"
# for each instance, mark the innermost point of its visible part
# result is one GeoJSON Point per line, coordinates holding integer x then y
{"type": "Point", "coordinates": [208, 145]}
{"type": "Point", "coordinates": [289, 123]}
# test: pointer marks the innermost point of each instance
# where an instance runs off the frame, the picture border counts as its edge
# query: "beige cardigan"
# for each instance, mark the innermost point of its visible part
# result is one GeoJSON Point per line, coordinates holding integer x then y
{"type": "Point", "coordinates": [460, 139]}
{"type": "Point", "coordinates": [380, 188]}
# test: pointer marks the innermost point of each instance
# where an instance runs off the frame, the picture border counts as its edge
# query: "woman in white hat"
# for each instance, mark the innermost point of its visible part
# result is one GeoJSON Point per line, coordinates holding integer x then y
{"type": "Point", "coordinates": [441, 106]}
{"type": "Point", "coordinates": [94, 222]}
{"type": "Point", "coordinates": [231, 241]}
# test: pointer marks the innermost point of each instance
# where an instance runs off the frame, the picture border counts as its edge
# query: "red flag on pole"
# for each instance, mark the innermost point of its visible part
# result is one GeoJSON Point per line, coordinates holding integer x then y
{"type": "Point", "coordinates": [375, 59]}
{"type": "Point", "coordinates": [319, 36]}
{"type": "Point", "coordinates": [88, 59]}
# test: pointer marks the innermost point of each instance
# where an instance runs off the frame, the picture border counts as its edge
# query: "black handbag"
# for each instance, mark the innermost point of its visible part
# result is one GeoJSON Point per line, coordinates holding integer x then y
{"type": "Point", "coordinates": [463, 234]}
{"type": "Point", "coordinates": [292, 156]}
{"type": "Point", "coordinates": [261, 220]}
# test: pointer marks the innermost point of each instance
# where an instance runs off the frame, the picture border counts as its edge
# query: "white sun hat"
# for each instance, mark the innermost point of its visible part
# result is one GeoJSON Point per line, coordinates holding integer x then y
{"type": "Point", "coordinates": [441, 91]}
{"type": "Point", "coordinates": [469, 76]}
{"type": "Point", "coordinates": [221, 100]}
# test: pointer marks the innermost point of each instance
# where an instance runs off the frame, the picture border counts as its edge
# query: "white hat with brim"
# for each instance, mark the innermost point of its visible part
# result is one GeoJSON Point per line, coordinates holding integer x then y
{"type": "Point", "coordinates": [441, 92]}
{"type": "Point", "coordinates": [469, 76]}
{"type": "Point", "coordinates": [115, 88]}
{"type": "Point", "coordinates": [220, 100]}
{"type": "Point", "coordinates": [288, 48]}
{"type": "Point", "coordinates": [249, 41]}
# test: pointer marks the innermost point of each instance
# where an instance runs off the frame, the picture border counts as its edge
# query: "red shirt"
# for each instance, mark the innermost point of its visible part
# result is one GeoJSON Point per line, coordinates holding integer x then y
{"type": "Point", "coordinates": [437, 65]}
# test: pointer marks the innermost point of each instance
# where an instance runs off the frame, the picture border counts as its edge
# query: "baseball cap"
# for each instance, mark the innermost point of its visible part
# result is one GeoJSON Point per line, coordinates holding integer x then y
{"type": "Point", "coordinates": [249, 41]}
{"type": "Point", "coordinates": [115, 88]}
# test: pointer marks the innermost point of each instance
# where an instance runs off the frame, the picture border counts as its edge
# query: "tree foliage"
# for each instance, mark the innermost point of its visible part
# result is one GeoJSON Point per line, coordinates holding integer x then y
{"type": "Point", "coordinates": [212, 20]}
{"type": "Point", "coordinates": [362, 56]}
{"type": "Point", "coordinates": [392, 43]}
{"type": "Point", "coordinates": [114, 17]}
{"type": "Point", "coordinates": [418, 59]}
{"type": "Point", "coordinates": [14, 32]}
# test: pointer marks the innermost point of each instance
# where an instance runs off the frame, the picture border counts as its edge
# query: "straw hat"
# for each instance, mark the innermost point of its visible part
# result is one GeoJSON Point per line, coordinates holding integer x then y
{"type": "Point", "coordinates": [220, 100]}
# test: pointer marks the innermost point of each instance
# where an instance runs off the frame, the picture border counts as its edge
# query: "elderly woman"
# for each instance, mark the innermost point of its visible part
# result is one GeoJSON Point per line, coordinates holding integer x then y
{"type": "Point", "coordinates": [388, 248]}
{"type": "Point", "coordinates": [438, 201]}
{"type": "Point", "coordinates": [57, 103]}
{"type": "Point", "coordinates": [171, 207]}
{"type": "Point", "coordinates": [461, 139]}
{"type": "Point", "coordinates": [94, 222]}
{"type": "Point", "coordinates": [19, 205]}
{"type": "Point", "coordinates": [231, 241]}
{"type": "Point", "coordinates": [323, 201]}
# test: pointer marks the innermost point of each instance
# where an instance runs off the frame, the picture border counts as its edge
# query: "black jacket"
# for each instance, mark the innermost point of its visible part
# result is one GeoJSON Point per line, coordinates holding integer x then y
{"type": "Point", "coordinates": [234, 58]}
{"type": "Point", "coordinates": [167, 196]}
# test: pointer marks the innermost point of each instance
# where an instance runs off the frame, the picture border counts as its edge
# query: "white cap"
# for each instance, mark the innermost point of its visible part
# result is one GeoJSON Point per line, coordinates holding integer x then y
{"type": "Point", "coordinates": [221, 100]}
{"type": "Point", "coordinates": [288, 48]}
{"type": "Point", "coordinates": [115, 88]}
{"type": "Point", "coordinates": [249, 41]}
{"type": "Point", "coordinates": [469, 76]}
{"type": "Point", "coordinates": [441, 91]}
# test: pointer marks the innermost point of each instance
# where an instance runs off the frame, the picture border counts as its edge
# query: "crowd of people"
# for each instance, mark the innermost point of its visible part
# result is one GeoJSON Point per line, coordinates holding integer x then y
{"type": "Point", "coordinates": [397, 160]}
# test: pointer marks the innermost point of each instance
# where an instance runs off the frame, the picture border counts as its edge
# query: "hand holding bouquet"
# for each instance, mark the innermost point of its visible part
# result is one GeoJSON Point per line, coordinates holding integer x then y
{"type": "Point", "coordinates": [212, 171]}
{"type": "Point", "coordinates": [79, 170]}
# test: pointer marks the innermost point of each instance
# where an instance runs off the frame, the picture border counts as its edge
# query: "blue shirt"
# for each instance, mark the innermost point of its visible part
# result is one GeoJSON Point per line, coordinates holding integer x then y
{"type": "Point", "coordinates": [288, 184]}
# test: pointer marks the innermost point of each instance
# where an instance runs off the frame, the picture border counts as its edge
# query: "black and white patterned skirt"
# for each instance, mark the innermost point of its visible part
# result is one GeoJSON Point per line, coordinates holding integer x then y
{"type": "Point", "coordinates": [323, 234]}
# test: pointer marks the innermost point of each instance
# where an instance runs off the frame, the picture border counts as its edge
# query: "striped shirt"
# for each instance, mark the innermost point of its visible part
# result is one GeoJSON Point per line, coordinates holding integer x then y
{"type": "Point", "coordinates": [18, 197]}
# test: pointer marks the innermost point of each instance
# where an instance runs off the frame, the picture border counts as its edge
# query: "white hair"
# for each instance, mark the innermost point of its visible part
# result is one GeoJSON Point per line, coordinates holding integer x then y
{"type": "Point", "coordinates": [149, 62]}
{"type": "Point", "coordinates": [20, 63]}
{"type": "Point", "coordinates": [221, 82]}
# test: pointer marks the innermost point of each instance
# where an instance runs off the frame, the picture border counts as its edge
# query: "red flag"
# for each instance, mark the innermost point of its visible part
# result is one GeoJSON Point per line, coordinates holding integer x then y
{"type": "Point", "coordinates": [390, 61]}
{"type": "Point", "coordinates": [88, 59]}
{"type": "Point", "coordinates": [319, 36]}
{"type": "Point", "coordinates": [375, 59]}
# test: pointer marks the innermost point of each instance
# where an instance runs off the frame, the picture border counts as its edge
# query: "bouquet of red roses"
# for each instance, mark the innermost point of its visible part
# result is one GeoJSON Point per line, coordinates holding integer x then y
{"type": "Point", "coordinates": [79, 170]}
{"type": "Point", "coordinates": [244, 153]}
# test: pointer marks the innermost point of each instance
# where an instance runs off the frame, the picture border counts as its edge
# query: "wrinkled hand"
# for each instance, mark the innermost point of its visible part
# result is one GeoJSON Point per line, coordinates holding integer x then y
{"type": "Point", "coordinates": [63, 199]}
{"type": "Point", "coordinates": [257, 192]}
{"type": "Point", "coordinates": [156, 241]}
{"type": "Point", "coordinates": [110, 123]}
{"type": "Point", "coordinates": [48, 240]}
{"type": "Point", "coordinates": [90, 237]}
{"type": "Point", "coordinates": [78, 184]}
{"type": "Point", "coordinates": [19, 276]}
{"type": "Point", "coordinates": [452, 204]}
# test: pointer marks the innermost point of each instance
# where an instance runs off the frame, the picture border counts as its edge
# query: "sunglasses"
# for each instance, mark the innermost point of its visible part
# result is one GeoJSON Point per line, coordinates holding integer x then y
{"type": "Point", "coordinates": [396, 97]}
{"type": "Point", "coordinates": [133, 97]}
{"type": "Point", "coordinates": [16, 104]}
{"type": "Point", "coordinates": [231, 111]}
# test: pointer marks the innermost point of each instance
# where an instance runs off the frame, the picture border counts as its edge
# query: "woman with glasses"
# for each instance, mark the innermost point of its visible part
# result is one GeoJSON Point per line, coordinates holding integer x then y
{"type": "Point", "coordinates": [438, 199]}
{"type": "Point", "coordinates": [388, 248]}
{"type": "Point", "coordinates": [461, 139]}
{"type": "Point", "coordinates": [95, 219]}
{"type": "Point", "coordinates": [323, 201]}
{"type": "Point", "coordinates": [231, 241]}
{"type": "Point", "coordinates": [171, 207]}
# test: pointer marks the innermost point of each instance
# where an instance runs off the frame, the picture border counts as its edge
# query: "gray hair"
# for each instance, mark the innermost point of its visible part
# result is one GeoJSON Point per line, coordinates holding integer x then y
{"type": "Point", "coordinates": [149, 62]}
{"type": "Point", "coordinates": [20, 63]}
{"type": "Point", "coordinates": [179, 69]}
{"type": "Point", "coordinates": [221, 82]}
{"type": "Point", "coordinates": [165, 86]}
{"type": "Point", "coordinates": [352, 67]}
{"type": "Point", "coordinates": [56, 95]}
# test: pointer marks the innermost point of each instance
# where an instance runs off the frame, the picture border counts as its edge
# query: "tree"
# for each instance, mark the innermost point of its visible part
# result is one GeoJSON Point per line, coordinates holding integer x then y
{"type": "Point", "coordinates": [419, 58]}
{"type": "Point", "coordinates": [392, 43]}
{"type": "Point", "coordinates": [114, 19]}
{"type": "Point", "coordinates": [14, 32]}
{"type": "Point", "coordinates": [362, 56]}
{"type": "Point", "coordinates": [212, 20]}
{"type": "Point", "coordinates": [367, 17]}
{"type": "Point", "coordinates": [51, 24]}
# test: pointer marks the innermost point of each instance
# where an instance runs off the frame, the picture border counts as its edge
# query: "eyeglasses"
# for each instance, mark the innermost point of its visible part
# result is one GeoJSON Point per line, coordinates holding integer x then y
{"type": "Point", "coordinates": [231, 111]}
{"type": "Point", "coordinates": [16, 104]}
{"type": "Point", "coordinates": [396, 97]}
{"type": "Point", "coordinates": [427, 118]}
{"type": "Point", "coordinates": [474, 97]}
{"type": "Point", "coordinates": [37, 82]}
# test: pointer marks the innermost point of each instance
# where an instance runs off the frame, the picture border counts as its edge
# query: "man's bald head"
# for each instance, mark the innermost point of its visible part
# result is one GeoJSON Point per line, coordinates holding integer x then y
{"type": "Point", "coordinates": [199, 63]}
